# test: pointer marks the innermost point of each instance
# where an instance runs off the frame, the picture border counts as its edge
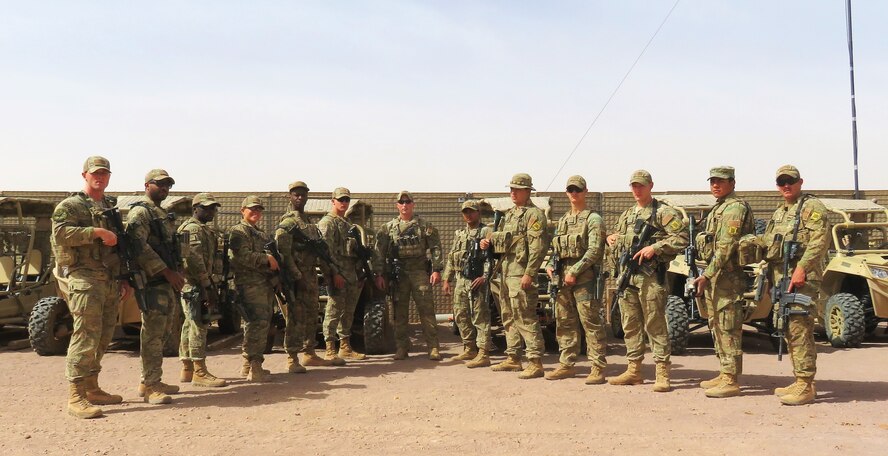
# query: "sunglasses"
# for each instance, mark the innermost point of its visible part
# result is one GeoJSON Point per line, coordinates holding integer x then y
{"type": "Point", "coordinates": [781, 181]}
{"type": "Point", "coordinates": [162, 184]}
{"type": "Point", "coordinates": [404, 201]}
{"type": "Point", "coordinates": [344, 199]}
{"type": "Point", "coordinates": [573, 189]}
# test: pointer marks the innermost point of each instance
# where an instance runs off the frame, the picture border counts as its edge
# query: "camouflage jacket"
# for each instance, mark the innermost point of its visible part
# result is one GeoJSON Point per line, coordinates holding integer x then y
{"type": "Point", "coordinates": [202, 260]}
{"type": "Point", "coordinates": [579, 242]}
{"type": "Point", "coordinates": [669, 239]}
{"type": "Point", "coordinates": [726, 223]}
{"type": "Point", "coordinates": [456, 259]}
{"type": "Point", "coordinates": [417, 239]}
{"type": "Point", "coordinates": [151, 242]}
{"type": "Point", "coordinates": [249, 262]}
{"type": "Point", "coordinates": [522, 240]}
{"type": "Point", "coordinates": [343, 248]}
{"type": "Point", "coordinates": [296, 257]}
{"type": "Point", "coordinates": [813, 236]}
{"type": "Point", "coordinates": [73, 243]}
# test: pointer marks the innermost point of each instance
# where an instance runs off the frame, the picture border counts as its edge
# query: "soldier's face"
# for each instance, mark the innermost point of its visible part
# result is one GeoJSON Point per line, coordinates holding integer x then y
{"type": "Point", "coordinates": [720, 187]}
{"type": "Point", "coordinates": [471, 217]}
{"type": "Point", "coordinates": [405, 208]}
{"type": "Point", "coordinates": [341, 205]}
{"type": "Point", "coordinates": [641, 192]}
{"type": "Point", "coordinates": [158, 190]}
{"type": "Point", "coordinates": [576, 195]}
{"type": "Point", "coordinates": [98, 180]}
{"type": "Point", "coordinates": [205, 214]}
{"type": "Point", "coordinates": [519, 195]}
{"type": "Point", "coordinates": [252, 215]}
{"type": "Point", "coordinates": [789, 187]}
{"type": "Point", "coordinates": [298, 197]}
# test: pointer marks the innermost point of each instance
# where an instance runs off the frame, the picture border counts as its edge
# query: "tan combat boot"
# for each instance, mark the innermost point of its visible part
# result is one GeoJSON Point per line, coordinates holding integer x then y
{"type": "Point", "coordinates": [257, 373]}
{"type": "Point", "coordinates": [293, 366]}
{"type": "Point", "coordinates": [331, 354]}
{"type": "Point", "coordinates": [706, 384]}
{"type": "Point", "coordinates": [596, 376]}
{"type": "Point", "coordinates": [470, 351]}
{"type": "Point", "coordinates": [534, 369]}
{"type": "Point", "coordinates": [187, 373]}
{"type": "Point", "coordinates": [510, 364]}
{"type": "Point", "coordinates": [203, 377]}
{"type": "Point", "coordinates": [310, 358]}
{"type": "Point", "coordinates": [347, 352]}
{"type": "Point", "coordinates": [154, 394]}
{"type": "Point", "coordinates": [785, 390]}
{"type": "Point", "coordinates": [801, 392]}
{"type": "Point", "coordinates": [401, 353]}
{"type": "Point", "coordinates": [435, 354]}
{"type": "Point", "coordinates": [662, 384]}
{"type": "Point", "coordinates": [632, 376]}
{"type": "Point", "coordinates": [480, 360]}
{"type": "Point", "coordinates": [160, 386]}
{"type": "Point", "coordinates": [563, 371]}
{"type": "Point", "coordinates": [95, 394]}
{"type": "Point", "coordinates": [727, 388]}
{"type": "Point", "coordinates": [78, 406]}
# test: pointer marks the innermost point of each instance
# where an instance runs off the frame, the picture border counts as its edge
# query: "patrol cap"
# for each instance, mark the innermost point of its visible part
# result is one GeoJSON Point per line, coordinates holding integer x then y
{"type": "Point", "coordinates": [298, 184]}
{"type": "Point", "coordinates": [95, 163]}
{"type": "Point", "coordinates": [204, 199]}
{"type": "Point", "coordinates": [403, 194]}
{"type": "Point", "coordinates": [576, 181]}
{"type": "Point", "coordinates": [788, 170]}
{"type": "Point", "coordinates": [722, 172]}
{"type": "Point", "coordinates": [640, 177]}
{"type": "Point", "coordinates": [158, 175]}
{"type": "Point", "coordinates": [521, 180]}
{"type": "Point", "coordinates": [340, 192]}
{"type": "Point", "coordinates": [251, 202]}
{"type": "Point", "coordinates": [470, 205]}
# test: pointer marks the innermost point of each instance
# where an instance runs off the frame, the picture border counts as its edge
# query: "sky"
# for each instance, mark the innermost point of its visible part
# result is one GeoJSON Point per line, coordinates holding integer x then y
{"type": "Point", "coordinates": [434, 96]}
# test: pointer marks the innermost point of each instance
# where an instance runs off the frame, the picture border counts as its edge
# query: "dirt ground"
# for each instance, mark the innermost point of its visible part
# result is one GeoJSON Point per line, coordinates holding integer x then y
{"type": "Point", "coordinates": [418, 406]}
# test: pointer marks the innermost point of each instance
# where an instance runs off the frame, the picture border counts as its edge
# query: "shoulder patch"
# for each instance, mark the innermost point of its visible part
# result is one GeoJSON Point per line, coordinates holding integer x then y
{"type": "Point", "coordinates": [815, 216]}
{"type": "Point", "coordinates": [675, 225]}
{"type": "Point", "coordinates": [536, 226]}
{"type": "Point", "coordinates": [60, 214]}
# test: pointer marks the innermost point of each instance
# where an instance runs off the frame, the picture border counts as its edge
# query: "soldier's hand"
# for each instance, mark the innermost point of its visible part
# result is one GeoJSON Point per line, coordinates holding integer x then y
{"type": "Point", "coordinates": [612, 238]}
{"type": "Point", "coordinates": [798, 279]}
{"type": "Point", "coordinates": [380, 283]}
{"type": "Point", "coordinates": [644, 254]}
{"type": "Point", "coordinates": [700, 284]}
{"type": "Point", "coordinates": [549, 271]}
{"type": "Point", "coordinates": [435, 278]}
{"type": "Point", "coordinates": [107, 236]}
{"type": "Point", "coordinates": [445, 287]}
{"type": "Point", "coordinates": [125, 290]}
{"type": "Point", "coordinates": [478, 282]}
{"type": "Point", "coordinates": [174, 278]}
{"type": "Point", "coordinates": [484, 244]}
{"type": "Point", "coordinates": [570, 279]}
{"type": "Point", "coordinates": [338, 281]}
{"type": "Point", "coordinates": [272, 263]}
{"type": "Point", "coordinates": [526, 282]}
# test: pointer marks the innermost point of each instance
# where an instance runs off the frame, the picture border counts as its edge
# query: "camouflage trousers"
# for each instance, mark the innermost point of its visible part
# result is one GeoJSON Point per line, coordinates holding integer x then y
{"type": "Point", "coordinates": [643, 305]}
{"type": "Point", "coordinates": [340, 313]}
{"type": "Point", "coordinates": [800, 334]}
{"type": "Point", "coordinates": [302, 318]}
{"type": "Point", "coordinates": [520, 321]}
{"type": "Point", "coordinates": [258, 302]}
{"type": "Point", "coordinates": [94, 306]}
{"type": "Point", "coordinates": [415, 283]}
{"type": "Point", "coordinates": [162, 305]}
{"type": "Point", "coordinates": [193, 343]}
{"type": "Point", "coordinates": [724, 307]}
{"type": "Point", "coordinates": [471, 314]}
{"type": "Point", "coordinates": [576, 309]}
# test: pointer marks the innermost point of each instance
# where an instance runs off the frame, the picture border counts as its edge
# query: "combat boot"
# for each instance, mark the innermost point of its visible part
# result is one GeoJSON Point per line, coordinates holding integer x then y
{"type": "Point", "coordinates": [480, 360]}
{"type": "Point", "coordinates": [401, 353]}
{"type": "Point", "coordinates": [245, 369]}
{"type": "Point", "coordinates": [632, 376]}
{"type": "Point", "coordinates": [95, 394]}
{"type": "Point", "coordinates": [331, 354]}
{"type": "Point", "coordinates": [78, 406]}
{"type": "Point", "coordinates": [534, 369]}
{"type": "Point", "coordinates": [257, 373]}
{"type": "Point", "coordinates": [187, 373]}
{"type": "Point", "coordinates": [510, 364]}
{"type": "Point", "coordinates": [596, 376]}
{"type": "Point", "coordinates": [347, 352]}
{"type": "Point", "coordinates": [203, 377]}
{"type": "Point", "coordinates": [661, 384]}
{"type": "Point", "coordinates": [727, 388]}
{"type": "Point", "coordinates": [470, 351]}
{"type": "Point", "coordinates": [801, 392]}
{"type": "Point", "coordinates": [154, 394]}
{"type": "Point", "coordinates": [435, 354]}
{"type": "Point", "coordinates": [706, 384]}
{"type": "Point", "coordinates": [563, 371]}
{"type": "Point", "coordinates": [293, 366]}
{"type": "Point", "coordinates": [160, 386]}
{"type": "Point", "coordinates": [310, 358]}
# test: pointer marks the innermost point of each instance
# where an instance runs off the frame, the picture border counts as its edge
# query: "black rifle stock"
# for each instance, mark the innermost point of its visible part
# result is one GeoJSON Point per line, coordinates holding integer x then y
{"type": "Point", "coordinates": [126, 251]}
{"type": "Point", "coordinates": [364, 253]}
{"type": "Point", "coordinates": [317, 247]}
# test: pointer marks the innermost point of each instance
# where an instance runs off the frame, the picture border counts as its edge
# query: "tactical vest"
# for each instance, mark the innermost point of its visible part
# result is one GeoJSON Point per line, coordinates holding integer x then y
{"type": "Point", "coordinates": [465, 242]}
{"type": "Point", "coordinates": [96, 255]}
{"type": "Point", "coordinates": [572, 239]}
{"type": "Point", "coordinates": [161, 237]}
{"type": "Point", "coordinates": [208, 244]}
{"type": "Point", "coordinates": [342, 246]}
{"type": "Point", "coordinates": [706, 239]}
{"type": "Point", "coordinates": [411, 241]}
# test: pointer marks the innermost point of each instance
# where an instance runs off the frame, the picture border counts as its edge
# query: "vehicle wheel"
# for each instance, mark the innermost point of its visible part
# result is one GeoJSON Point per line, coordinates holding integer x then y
{"type": "Point", "coordinates": [677, 324]}
{"type": "Point", "coordinates": [378, 335]}
{"type": "Point", "coordinates": [172, 340]}
{"type": "Point", "coordinates": [870, 321]}
{"type": "Point", "coordinates": [50, 326]}
{"type": "Point", "coordinates": [230, 323]}
{"type": "Point", "coordinates": [616, 322]}
{"type": "Point", "coordinates": [844, 320]}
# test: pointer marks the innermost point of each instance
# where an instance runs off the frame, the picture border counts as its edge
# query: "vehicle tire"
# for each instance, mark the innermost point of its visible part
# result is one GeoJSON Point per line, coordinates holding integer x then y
{"type": "Point", "coordinates": [677, 324]}
{"type": "Point", "coordinates": [230, 323]}
{"type": "Point", "coordinates": [616, 322]}
{"type": "Point", "coordinates": [172, 340]}
{"type": "Point", "coordinates": [50, 326]}
{"type": "Point", "coordinates": [870, 321]}
{"type": "Point", "coordinates": [378, 334]}
{"type": "Point", "coordinates": [844, 323]}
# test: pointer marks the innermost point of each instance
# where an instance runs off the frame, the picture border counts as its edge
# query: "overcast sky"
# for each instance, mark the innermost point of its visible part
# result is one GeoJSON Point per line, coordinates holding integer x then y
{"type": "Point", "coordinates": [438, 96]}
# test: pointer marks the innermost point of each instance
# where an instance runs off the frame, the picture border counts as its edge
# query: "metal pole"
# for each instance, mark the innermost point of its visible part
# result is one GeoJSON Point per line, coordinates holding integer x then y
{"type": "Point", "coordinates": [853, 99]}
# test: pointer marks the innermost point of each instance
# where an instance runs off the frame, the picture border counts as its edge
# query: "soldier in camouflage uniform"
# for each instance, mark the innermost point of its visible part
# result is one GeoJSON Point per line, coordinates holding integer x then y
{"type": "Point", "coordinates": [256, 279]}
{"type": "Point", "coordinates": [522, 242]}
{"type": "Point", "coordinates": [302, 315]}
{"type": "Point", "coordinates": [723, 281]}
{"type": "Point", "coordinates": [82, 244]}
{"type": "Point", "coordinates": [579, 246]}
{"type": "Point", "coordinates": [806, 275]}
{"type": "Point", "coordinates": [342, 301]}
{"type": "Point", "coordinates": [153, 231]}
{"type": "Point", "coordinates": [643, 303]}
{"type": "Point", "coordinates": [416, 244]}
{"type": "Point", "coordinates": [199, 294]}
{"type": "Point", "coordinates": [470, 309]}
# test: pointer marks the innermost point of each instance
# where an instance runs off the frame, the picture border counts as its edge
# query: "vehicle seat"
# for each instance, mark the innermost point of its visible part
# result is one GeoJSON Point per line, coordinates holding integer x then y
{"type": "Point", "coordinates": [6, 269]}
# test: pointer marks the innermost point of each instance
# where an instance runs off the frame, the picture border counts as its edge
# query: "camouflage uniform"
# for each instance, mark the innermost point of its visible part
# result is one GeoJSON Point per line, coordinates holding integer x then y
{"type": "Point", "coordinates": [341, 304]}
{"type": "Point", "coordinates": [255, 283]}
{"type": "Point", "coordinates": [470, 311]}
{"type": "Point", "coordinates": [419, 249]}
{"type": "Point", "coordinates": [201, 263]}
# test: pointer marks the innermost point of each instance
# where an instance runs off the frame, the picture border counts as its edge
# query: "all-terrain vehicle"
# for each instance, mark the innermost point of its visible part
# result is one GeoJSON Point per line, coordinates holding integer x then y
{"type": "Point", "coordinates": [856, 278]}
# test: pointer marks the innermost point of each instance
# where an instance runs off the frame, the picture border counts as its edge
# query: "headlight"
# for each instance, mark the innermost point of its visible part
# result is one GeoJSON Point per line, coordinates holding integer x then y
{"type": "Point", "coordinates": [879, 273]}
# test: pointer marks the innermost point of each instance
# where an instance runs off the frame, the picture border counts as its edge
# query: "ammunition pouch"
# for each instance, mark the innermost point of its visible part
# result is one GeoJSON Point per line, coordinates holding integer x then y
{"type": "Point", "coordinates": [773, 248]}
{"type": "Point", "coordinates": [705, 246]}
{"type": "Point", "coordinates": [501, 241]}
{"type": "Point", "coordinates": [750, 250]}
{"type": "Point", "coordinates": [569, 246]}
{"type": "Point", "coordinates": [410, 246]}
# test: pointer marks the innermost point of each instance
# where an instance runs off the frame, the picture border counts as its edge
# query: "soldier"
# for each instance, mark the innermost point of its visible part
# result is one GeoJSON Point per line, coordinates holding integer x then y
{"type": "Point", "coordinates": [522, 243]}
{"type": "Point", "coordinates": [340, 312]}
{"type": "Point", "coordinates": [578, 246]}
{"type": "Point", "coordinates": [806, 274]}
{"type": "Point", "coordinates": [644, 300]}
{"type": "Point", "coordinates": [470, 309]}
{"type": "Point", "coordinates": [81, 244]}
{"type": "Point", "coordinates": [723, 281]}
{"type": "Point", "coordinates": [200, 293]}
{"type": "Point", "coordinates": [415, 243]}
{"type": "Point", "coordinates": [302, 315]}
{"type": "Point", "coordinates": [256, 279]}
{"type": "Point", "coordinates": [160, 259]}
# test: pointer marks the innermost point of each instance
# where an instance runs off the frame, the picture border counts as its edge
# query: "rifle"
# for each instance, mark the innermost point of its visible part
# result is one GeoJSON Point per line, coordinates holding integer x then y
{"type": "Point", "coordinates": [364, 253]}
{"type": "Point", "coordinates": [394, 274]}
{"type": "Point", "coordinates": [491, 260]}
{"type": "Point", "coordinates": [199, 304]}
{"type": "Point", "coordinates": [690, 291]}
{"type": "Point", "coordinates": [473, 267]}
{"type": "Point", "coordinates": [126, 251]}
{"type": "Point", "coordinates": [171, 252]}
{"type": "Point", "coordinates": [227, 296]}
{"type": "Point", "coordinates": [317, 247]}
{"type": "Point", "coordinates": [780, 295]}
{"type": "Point", "coordinates": [286, 294]}
{"type": "Point", "coordinates": [628, 267]}
{"type": "Point", "coordinates": [555, 284]}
